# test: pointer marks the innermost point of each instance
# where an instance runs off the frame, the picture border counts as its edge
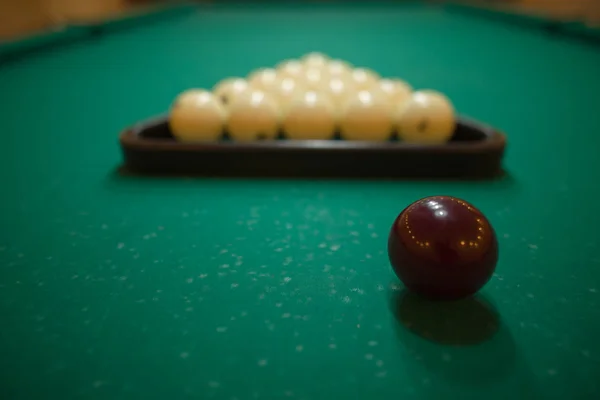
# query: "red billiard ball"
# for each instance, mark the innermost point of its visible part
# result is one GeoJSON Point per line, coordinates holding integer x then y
{"type": "Point", "coordinates": [443, 248]}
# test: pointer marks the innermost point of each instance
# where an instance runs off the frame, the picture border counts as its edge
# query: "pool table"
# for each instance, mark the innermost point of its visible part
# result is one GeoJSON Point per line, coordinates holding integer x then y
{"type": "Point", "coordinates": [122, 287]}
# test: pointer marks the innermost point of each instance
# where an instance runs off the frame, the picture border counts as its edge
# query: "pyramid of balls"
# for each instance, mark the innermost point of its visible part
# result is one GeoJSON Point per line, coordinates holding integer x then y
{"type": "Point", "coordinates": [313, 98]}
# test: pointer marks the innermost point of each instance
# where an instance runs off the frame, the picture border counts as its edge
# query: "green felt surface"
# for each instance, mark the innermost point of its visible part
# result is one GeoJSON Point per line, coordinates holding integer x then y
{"type": "Point", "coordinates": [578, 28]}
{"type": "Point", "coordinates": [41, 40]}
{"type": "Point", "coordinates": [122, 288]}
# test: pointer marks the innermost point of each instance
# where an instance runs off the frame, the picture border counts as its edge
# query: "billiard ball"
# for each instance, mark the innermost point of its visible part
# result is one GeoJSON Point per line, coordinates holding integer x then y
{"type": "Point", "coordinates": [315, 60]}
{"type": "Point", "coordinates": [291, 69]}
{"type": "Point", "coordinates": [364, 78]}
{"type": "Point", "coordinates": [286, 90]}
{"type": "Point", "coordinates": [339, 91]}
{"type": "Point", "coordinates": [310, 117]}
{"type": "Point", "coordinates": [397, 91]}
{"type": "Point", "coordinates": [229, 89]}
{"type": "Point", "coordinates": [443, 248]}
{"type": "Point", "coordinates": [196, 115]}
{"type": "Point", "coordinates": [314, 79]}
{"type": "Point", "coordinates": [263, 79]}
{"type": "Point", "coordinates": [338, 69]}
{"type": "Point", "coordinates": [254, 115]}
{"type": "Point", "coordinates": [427, 117]}
{"type": "Point", "coordinates": [366, 116]}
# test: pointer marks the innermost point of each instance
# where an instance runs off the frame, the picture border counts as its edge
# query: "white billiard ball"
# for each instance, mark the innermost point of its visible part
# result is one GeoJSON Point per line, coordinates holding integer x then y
{"type": "Point", "coordinates": [338, 69]}
{"type": "Point", "coordinates": [196, 115]}
{"type": "Point", "coordinates": [364, 78]}
{"type": "Point", "coordinates": [315, 60]}
{"type": "Point", "coordinates": [340, 91]}
{"type": "Point", "coordinates": [310, 116]}
{"type": "Point", "coordinates": [263, 79]}
{"type": "Point", "coordinates": [285, 91]}
{"type": "Point", "coordinates": [229, 89]}
{"type": "Point", "coordinates": [254, 115]}
{"type": "Point", "coordinates": [315, 79]}
{"type": "Point", "coordinates": [396, 90]}
{"type": "Point", "coordinates": [427, 117]}
{"type": "Point", "coordinates": [189, 96]}
{"type": "Point", "coordinates": [291, 69]}
{"type": "Point", "coordinates": [367, 116]}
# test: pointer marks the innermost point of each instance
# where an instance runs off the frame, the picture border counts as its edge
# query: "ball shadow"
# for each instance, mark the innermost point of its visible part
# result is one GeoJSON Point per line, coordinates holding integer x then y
{"type": "Point", "coordinates": [463, 340]}
{"type": "Point", "coordinates": [464, 322]}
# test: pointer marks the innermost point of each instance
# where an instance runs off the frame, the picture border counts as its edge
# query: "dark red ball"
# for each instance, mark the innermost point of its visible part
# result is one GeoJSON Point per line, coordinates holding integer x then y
{"type": "Point", "coordinates": [443, 248]}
